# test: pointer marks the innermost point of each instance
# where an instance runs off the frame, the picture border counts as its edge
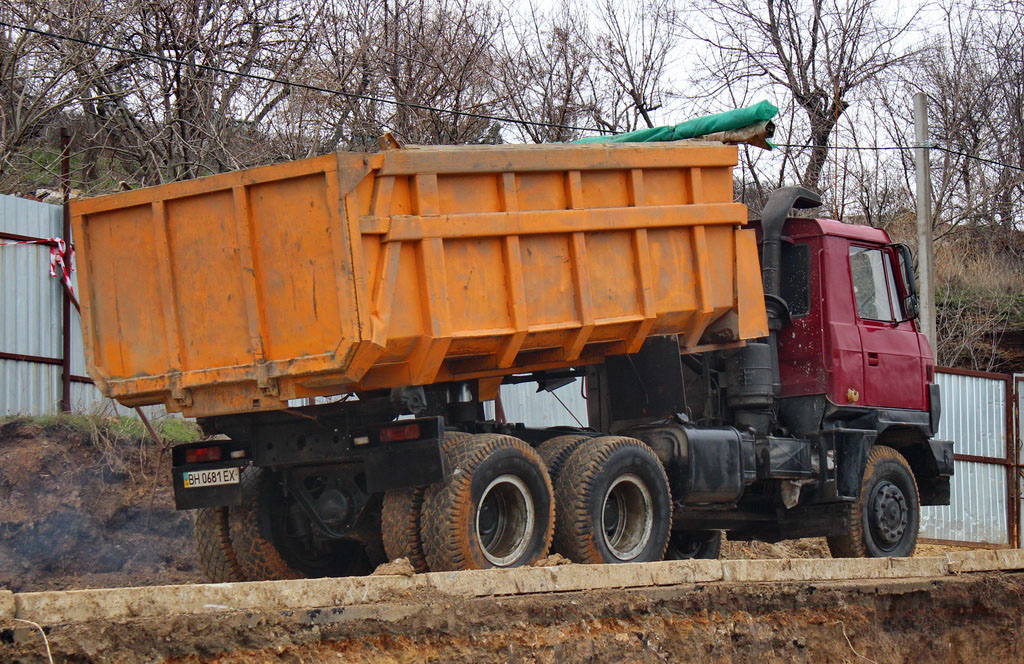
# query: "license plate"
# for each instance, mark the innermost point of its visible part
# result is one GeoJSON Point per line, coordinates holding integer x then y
{"type": "Point", "coordinates": [199, 478]}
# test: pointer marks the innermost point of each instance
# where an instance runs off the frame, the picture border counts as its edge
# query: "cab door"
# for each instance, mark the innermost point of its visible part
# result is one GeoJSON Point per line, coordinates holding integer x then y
{"type": "Point", "coordinates": [893, 367]}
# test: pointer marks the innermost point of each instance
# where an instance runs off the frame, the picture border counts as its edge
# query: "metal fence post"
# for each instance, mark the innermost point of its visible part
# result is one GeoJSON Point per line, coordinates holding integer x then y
{"type": "Point", "coordinates": [65, 186]}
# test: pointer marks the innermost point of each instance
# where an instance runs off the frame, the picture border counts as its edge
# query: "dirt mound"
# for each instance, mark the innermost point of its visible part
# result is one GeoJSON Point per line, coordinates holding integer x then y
{"type": "Point", "coordinates": [87, 509]}
{"type": "Point", "coordinates": [814, 547]}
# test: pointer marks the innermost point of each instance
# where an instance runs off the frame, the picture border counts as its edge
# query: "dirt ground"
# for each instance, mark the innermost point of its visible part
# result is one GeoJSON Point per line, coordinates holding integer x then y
{"type": "Point", "coordinates": [71, 520]}
{"type": "Point", "coordinates": [971, 618]}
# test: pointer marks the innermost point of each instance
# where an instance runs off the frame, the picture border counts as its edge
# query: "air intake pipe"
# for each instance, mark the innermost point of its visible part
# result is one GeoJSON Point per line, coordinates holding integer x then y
{"type": "Point", "coordinates": [772, 219]}
{"type": "Point", "coordinates": [752, 371]}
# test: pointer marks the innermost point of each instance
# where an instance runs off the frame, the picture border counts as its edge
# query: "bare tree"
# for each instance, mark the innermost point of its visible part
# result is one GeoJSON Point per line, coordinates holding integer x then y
{"type": "Point", "coordinates": [543, 73]}
{"type": "Point", "coordinates": [633, 48]}
{"type": "Point", "coordinates": [818, 51]}
{"type": "Point", "coordinates": [39, 78]}
{"type": "Point", "coordinates": [439, 54]}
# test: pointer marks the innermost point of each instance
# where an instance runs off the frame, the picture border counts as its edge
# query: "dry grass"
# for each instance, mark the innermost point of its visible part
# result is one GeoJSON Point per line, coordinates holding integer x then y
{"type": "Point", "coordinates": [123, 444]}
{"type": "Point", "coordinates": [979, 298]}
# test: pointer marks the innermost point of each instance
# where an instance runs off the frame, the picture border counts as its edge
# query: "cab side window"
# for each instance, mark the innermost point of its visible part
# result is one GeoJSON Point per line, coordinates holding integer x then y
{"type": "Point", "coordinates": [796, 278]}
{"type": "Point", "coordinates": [874, 287]}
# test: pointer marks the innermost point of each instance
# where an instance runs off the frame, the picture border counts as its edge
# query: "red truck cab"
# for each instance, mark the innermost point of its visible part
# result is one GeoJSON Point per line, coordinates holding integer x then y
{"type": "Point", "coordinates": [854, 334]}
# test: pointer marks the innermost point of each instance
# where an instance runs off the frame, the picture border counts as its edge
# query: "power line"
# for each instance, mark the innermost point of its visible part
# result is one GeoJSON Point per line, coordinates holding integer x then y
{"type": "Point", "coordinates": [842, 147]}
{"type": "Point", "coordinates": [305, 86]}
{"type": "Point", "coordinates": [982, 159]}
{"type": "Point", "coordinates": [425, 107]}
{"type": "Point", "coordinates": [931, 146]}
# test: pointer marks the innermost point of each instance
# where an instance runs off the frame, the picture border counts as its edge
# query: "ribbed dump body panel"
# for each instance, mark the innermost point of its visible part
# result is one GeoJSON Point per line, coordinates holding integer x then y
{"type": "Point", "coordinates": [408, 267]}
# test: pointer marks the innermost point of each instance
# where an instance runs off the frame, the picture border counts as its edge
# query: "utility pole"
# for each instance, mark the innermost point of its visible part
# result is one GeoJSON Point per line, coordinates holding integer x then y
{"type": "Point", "coordinates": [924, 218]}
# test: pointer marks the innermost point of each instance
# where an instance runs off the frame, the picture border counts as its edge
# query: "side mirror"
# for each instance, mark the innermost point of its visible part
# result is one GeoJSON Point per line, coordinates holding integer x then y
{"type": "Point", "coordinates": [912, 306]}
{"type": "Point", "coordinates": [911, 303]}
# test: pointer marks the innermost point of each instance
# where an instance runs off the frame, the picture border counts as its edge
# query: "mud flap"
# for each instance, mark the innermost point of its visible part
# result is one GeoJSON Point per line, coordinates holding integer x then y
{"type": "Point", "coordinates": [851, 454]}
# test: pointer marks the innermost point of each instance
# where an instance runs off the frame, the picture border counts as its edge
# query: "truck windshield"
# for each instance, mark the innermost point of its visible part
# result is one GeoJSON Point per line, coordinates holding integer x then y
{"type": "Point", "coordinates": [873, 285]}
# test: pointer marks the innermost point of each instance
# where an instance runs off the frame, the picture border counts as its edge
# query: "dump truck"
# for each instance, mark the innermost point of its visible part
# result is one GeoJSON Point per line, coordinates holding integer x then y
{"type": "Point", "coordinates": [338, 323]}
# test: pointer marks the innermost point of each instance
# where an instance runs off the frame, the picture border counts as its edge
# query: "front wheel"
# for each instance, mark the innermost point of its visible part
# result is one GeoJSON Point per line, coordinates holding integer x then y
{"type": "Point", "coordinates": [886, 516]}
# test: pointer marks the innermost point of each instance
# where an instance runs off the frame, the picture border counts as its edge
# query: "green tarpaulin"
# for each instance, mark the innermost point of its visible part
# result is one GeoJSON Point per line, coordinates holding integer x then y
{"type": "Point", "coordinates": [709, 124]}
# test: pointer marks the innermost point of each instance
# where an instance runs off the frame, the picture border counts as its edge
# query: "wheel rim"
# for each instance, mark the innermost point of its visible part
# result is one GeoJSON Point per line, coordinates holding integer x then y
{"type": "Point", "coordinates": [505, 520]}
{"type": "Point", "coordinates": [889, 515]}
{"type": "Point", "coordinates": [627, 517]}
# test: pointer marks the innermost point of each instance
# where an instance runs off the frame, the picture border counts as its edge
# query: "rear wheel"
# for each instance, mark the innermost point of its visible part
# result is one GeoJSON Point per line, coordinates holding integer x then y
{"type": "Point", "coordinates": [495, 509]}
{"type": "Point", "coordinates": [884, 520]}
{"type": "Point", "coordinates": [401, 514]}
{"type": "Point", "coordinates": [273, 538]}
{"type": "Point", "coordinates": [613, 503]}
{"type": "Point", "coordinates": [556, 451]}
{"type": "Point", "coordinates": [698, 544]}
{"type": "Point", "coordinates": [214, 552]}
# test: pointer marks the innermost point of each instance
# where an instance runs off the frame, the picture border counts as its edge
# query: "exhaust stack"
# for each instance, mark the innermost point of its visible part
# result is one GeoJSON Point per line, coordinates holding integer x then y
{"type": "Point", "coordinates": [753, 371]}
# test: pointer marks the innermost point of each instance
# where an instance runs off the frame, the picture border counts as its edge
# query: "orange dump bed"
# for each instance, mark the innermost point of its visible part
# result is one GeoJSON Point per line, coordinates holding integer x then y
{"type": "Point", "coordinates": [412, 266]}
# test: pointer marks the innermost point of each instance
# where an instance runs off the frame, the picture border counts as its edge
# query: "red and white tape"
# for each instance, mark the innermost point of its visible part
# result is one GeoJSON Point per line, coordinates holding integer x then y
{"type": "Point", "coordinates": [61, 258]}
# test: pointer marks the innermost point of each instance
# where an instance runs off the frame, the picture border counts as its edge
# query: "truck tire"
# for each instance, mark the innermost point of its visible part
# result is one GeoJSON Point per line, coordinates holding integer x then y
{"type": "Point", "coordinates": [555, 451]}
{"type": "Point", "coordinates": [401, 514]}
{"type": "Point", "coordinates": [886, 516]}
{"type": "Point", "coordinates": [495, 509]}
{"type": "Point", "coordinates": [214, 552]}
{"type": "Point", "coordinates": [689, 545]}
{"type": "Point", "coordinates": [259, 528]}
{"type": "Point", "coordinates": [612, 503]}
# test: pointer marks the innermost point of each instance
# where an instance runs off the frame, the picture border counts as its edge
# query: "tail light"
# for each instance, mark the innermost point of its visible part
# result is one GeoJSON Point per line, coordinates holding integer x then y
{"type": "Point", "coordinates": [401, 432]}
{"type": "Point", "coordinates": [202, 454]}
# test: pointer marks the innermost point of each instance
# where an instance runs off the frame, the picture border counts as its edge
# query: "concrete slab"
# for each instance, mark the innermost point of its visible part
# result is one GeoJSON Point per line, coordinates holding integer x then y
{"type": "Point", "coordinates": [971, 561]}
{"type": "Point", "coordinates": [908, 568]}
{"type": "Point", "coordinates": [826, 569]}
{"type": "Point", "coordinates": [1010, 558]}
{"type": "Point", "coordinates": [803, 569]}
{"type": "Point", "coordinates": [566, 578]}
{"type": "Point", "coordinates": [7, 605]}
{"type": "Point", "coordinates": [120, 603]}
{"type": "Point", "coordinates": [123, 603]}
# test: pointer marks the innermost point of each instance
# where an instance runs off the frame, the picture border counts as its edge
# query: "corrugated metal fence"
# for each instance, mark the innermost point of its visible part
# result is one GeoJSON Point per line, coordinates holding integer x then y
{"type": "Point", "coordinates": [30, 320]}
{"type": "Point", "coordinates": [978, 417]}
